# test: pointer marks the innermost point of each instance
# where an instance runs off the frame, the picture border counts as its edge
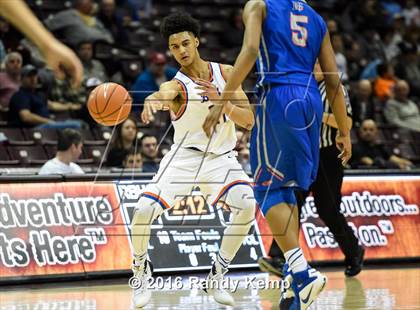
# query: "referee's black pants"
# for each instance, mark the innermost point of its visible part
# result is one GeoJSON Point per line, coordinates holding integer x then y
{"type": "Point", "coordinates": [326, 191]}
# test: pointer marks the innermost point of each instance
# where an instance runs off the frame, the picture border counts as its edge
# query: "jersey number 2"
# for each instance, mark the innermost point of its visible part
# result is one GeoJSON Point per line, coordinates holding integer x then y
{"type": "Point", "coordinates": [299, 33]}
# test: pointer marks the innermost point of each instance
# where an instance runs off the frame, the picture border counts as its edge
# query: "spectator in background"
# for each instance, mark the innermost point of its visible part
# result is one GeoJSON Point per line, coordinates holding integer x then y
{"type": "Point", "coordinates": [9, 36]}
{"type": "Point", "coordinates": [400, 111]}
{"type": "Point", "coordinates": [338, 45]}
{"type": "Point", "coordinates": [233, 36]}
{"type": "Point", "coordinates": [91, 67]}
{"type": "Point", "coordinates": [151, 78]}
{"type": "Point", "coordinates": [10, 79]}
{"type": "Point", "coordinates": [133, 160]}
{"type": "Point", "coordinates": [79, 24]}
{"type": "Point", "coordinates": [124, 139]}
{"type": "Point", "coordinates": [385, 82]}
{"type": "Point", "coordinates": [113, 21]}
{"type": "Point", "coordinates": [30, 109]}
{"type": "Point", "coordinates": [362, 100]}
{"type": "Point", "coordinates": [2, 51]}
{"type": "Point", "coordinates": [411, 13]}
{"type": "Point", "coordinates": [149, 151]}
{"type": "Point", "coordinates": [69, 149]}
{"type": "Point", "coordinates": [369, 153]}
{"type": "Point", "coordinates": [408, 66]}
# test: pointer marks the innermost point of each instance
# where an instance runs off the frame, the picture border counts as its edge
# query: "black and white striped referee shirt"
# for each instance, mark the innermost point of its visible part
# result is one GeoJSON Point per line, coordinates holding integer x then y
{"type": "Point", "coordinates": [328, 133]}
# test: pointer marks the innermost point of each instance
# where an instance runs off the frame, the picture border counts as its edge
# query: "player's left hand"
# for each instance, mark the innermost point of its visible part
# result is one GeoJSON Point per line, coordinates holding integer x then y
{"type": "Point", "coordinates": [209, 125]}
{"type": "Point", "coordinates": [208, 90]}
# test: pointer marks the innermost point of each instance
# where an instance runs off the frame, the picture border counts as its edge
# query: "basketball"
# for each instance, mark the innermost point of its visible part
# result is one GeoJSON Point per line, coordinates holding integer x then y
{"type": "Point", "coordinates": [109, 104]}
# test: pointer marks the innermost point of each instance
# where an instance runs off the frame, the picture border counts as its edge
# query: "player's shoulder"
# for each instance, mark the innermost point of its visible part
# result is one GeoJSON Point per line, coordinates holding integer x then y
{"type": "Point", "coordinates": [226, 70]}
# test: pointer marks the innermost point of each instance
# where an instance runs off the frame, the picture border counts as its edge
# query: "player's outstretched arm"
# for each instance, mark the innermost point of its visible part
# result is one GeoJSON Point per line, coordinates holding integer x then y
{"type": "Point", "coordinates": [58, 56]}
{"type": "Point", "coordinates": [335, 97]}
{"type": "Point", "coordinates": [160, 100]}
{"type": "Point", "coordinates": [253, 16]}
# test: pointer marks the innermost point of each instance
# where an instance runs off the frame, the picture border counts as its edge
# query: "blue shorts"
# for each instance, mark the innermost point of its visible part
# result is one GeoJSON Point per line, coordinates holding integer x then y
{"type": "Point", "coordinates": [285, 138]}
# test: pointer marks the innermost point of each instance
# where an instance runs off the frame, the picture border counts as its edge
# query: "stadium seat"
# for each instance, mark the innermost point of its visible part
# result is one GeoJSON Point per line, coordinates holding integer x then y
{"type": "Point", "coordinates": [3, 119]}
{"type": "Point", "coordinates": [214, 26]}
{"type": "Point", "coordinates": [28, 155]}
{"type": "Point", "coordinates": [210, 41]}
{"type": "Point", "coordinates": [90, 139]}
{"type": "Point", "coordinates": [42, 136]}
{"type": "Point", "coordinates": [15, 136]}
{"type": "Point", "coordinates": [93, 154]}
{"type": "Point", "coordinates": [132, 68]}
{"type": "Point", "coordinates": [5, 159]}
{"type": "Point", "coordinates": [406, 151]}
{"type": "Point", "coordinates": [50, 150]}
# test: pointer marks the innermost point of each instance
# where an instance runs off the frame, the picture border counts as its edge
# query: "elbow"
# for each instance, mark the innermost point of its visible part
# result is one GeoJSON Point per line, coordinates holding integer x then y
{"type": "Point", "coordinates": [252, 51]}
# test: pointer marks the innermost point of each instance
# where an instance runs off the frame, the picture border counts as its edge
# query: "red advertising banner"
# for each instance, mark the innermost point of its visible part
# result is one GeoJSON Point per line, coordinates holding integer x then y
{"type": "Point", "coordinates": [61, 228]}
{"type": "Point", "coordinates": [383, 212]}
{"type": "Point", "coordinates": [79, 227]}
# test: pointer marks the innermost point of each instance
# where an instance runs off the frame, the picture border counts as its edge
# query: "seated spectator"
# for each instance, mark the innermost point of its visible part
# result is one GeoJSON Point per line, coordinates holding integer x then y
{"type": "Point", "coordinates": [10, 79]}
{"type": "Point", "coordinates": [363, 104]}
{"type": "Point", "coordinates": [124, 139]}
{"type": "Point", "coordinates": [2, 51]}
{"type": "Point", "coordinates": [369, 153]}
{"type": "Point", "coordinates": [385, 82]}
{"type": "Point", "coordinates": [91, 67]}
{"type": "Point", "coordinates": [113, 21]}
{"type": "Point", "coordinates": [149, 152]}
{"type": "Point", "coordinates": [133, 160]}
{"type": "Point", "coordinates": [340, 58]}
{"type": "Point", "coordinates": [411, 13]}
{"type": "Point", "coordinates": [400, 111]}
{"type": "Point", "coordinates": [79, 25]}
{"type": "Point", "coordinates": [151, 78]}
{"type": "Point", "coordinates": [69, 149]}
{"type": "Point", "coordinates": [30, 109]}
{"type": "Point", "coordinates": [408, 66]}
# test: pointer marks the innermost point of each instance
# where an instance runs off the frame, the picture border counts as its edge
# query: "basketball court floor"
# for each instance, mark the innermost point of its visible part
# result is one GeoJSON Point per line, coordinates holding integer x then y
{"type": "Point", "coordinates": [372, 289]}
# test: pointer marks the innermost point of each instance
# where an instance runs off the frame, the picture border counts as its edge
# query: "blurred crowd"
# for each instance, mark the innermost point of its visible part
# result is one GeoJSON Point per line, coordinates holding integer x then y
{"type": "Point", "coordinates": [377, 51]}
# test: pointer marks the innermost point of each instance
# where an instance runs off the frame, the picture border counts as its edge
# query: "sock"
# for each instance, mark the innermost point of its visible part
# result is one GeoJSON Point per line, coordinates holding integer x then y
{"type": "Point", "coordinates": [139, 260]}
{"type": "Point", "coordinates": [242, 205]}
{"type": "Point", "coordinates": [221, 262]}
{"type": "Point", "coordinates": [143, 218]}
{"type": "Point", "coordinates": [296, 260]}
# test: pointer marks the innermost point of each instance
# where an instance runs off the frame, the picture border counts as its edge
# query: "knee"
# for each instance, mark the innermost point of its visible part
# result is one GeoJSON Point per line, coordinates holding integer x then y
{"type": "Point", "coordinates": [146, 211]}
{"type": "Point", "coordinates": [241, 200]}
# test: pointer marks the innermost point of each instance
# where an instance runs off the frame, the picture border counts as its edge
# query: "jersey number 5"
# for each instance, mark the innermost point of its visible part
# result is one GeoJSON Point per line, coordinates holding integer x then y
{"type": "Point", "coordinates": [299, 33]}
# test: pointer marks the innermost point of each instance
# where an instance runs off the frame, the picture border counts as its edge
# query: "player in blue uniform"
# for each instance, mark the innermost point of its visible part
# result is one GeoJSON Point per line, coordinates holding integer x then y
{"type": "Point", "coordinates": [286, 37]}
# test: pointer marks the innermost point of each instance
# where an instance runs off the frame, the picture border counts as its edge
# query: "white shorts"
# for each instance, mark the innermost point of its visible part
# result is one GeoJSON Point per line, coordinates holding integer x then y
{"type": "Point", "coordinates": [182, 170]}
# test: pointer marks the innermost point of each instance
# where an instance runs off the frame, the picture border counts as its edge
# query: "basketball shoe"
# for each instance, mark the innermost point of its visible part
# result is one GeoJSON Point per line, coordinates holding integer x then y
{"type": "Point", "coordinates": [214, 285]}
{"type": "Point", "coordinates": [287, 295]}
{"type": "Point", "coordinates": [306, 285]}
{"type": "Point", "coordinates": [140, 282]}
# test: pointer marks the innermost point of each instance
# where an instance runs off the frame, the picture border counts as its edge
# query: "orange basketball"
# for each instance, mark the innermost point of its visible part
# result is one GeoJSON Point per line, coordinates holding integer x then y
{"type": "Point", "coordinates": [109, 104]}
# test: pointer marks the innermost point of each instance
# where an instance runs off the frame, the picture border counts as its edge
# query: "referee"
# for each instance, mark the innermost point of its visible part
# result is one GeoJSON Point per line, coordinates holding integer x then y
{"type": "Point", "coordinates": [327, 193]}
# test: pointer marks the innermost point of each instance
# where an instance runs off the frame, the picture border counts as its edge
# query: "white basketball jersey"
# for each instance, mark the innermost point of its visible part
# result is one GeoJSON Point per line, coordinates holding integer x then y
{"type": "Point", "coordinates": [190, 118]}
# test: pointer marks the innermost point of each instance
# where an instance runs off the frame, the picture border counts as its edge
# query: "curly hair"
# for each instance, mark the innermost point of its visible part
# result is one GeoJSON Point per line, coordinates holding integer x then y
{"type": "Point", "coordinates": [179, 22]}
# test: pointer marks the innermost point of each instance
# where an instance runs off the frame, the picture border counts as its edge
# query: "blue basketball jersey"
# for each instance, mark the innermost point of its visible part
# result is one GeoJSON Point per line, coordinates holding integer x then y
{"type": "Point", "coordinates": [291, 40]}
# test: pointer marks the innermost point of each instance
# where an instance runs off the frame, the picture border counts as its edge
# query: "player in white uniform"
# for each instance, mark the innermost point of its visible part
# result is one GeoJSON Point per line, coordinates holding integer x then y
{"type": "Point", "coordinates": [194, 159]}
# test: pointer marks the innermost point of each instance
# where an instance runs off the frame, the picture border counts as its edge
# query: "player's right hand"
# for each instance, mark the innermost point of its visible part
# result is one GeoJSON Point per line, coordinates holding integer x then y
{"type": "Point", "coordinates": [63, 61]}
{"type": "Point", "coordinates": [343, 143]}
{"type": "Point", "coordinates": [152, 104]}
